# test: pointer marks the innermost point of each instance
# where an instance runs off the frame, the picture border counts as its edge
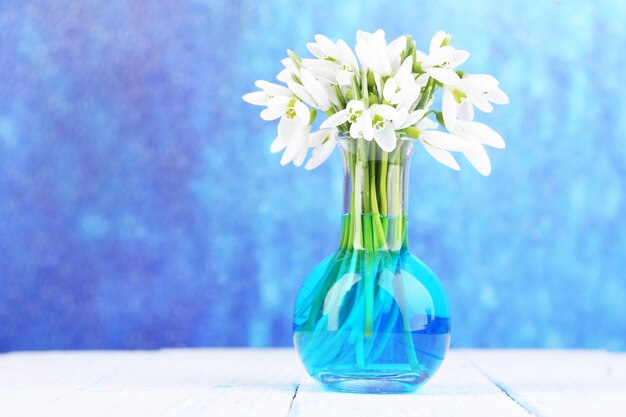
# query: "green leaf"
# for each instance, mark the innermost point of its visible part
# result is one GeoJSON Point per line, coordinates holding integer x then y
{"type": "Point", "coordinates": [313, 114]}
{"type": "Point", "coordinates": [439, 116]}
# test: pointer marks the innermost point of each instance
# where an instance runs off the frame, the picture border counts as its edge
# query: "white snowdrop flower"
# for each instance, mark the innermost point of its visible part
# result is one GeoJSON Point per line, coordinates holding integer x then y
{"type": "Point", "coordinates": [439, 144]}
{"type": "Point", "coordinates": [374, 123]}
{"type": "Point", "coordinates": [275, 97]}
{"type": "Point", "coordinates": [305, 85]}
{"type": "Point", "coordinates": [478, 90]}
{"type": "Point", "coordinates": [293, 130]}
{"type": "Point", "coordinates": [441, 59]}
{"type": "Point", "coordinates": [382, 130]}
{"type": "Point", "coordinates": [310, 90]}
{"type": "Point", "coordinates": [294, 142]}
{"type": "Point", "coordinates": [352, 113]}
{"type": "Point", "coordinates": [376, 55]}
{"type": "Point", "coordinates": [404, 118]}
{"type": "Point", "coordinates": [378, 94]}
{"type": "Point", "coordinates": [337, 59]}
{"type": "Point", "coordinates": [401, 89]}
{"type": "Point", "coordinates": [476, 135]}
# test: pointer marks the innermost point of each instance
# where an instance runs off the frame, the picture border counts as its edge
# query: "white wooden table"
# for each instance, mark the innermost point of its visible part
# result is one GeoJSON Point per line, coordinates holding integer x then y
{"type": "Point", "coordinates": [271, 382]}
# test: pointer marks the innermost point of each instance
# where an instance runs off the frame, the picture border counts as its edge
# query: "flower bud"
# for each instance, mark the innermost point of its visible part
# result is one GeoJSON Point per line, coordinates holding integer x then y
{"type": "Point", "coordinates": [412, 132]}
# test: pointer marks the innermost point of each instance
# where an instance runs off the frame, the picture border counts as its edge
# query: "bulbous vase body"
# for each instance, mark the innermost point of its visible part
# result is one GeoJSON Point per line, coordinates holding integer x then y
{"type": "Point", "coordinates": [371, 317]}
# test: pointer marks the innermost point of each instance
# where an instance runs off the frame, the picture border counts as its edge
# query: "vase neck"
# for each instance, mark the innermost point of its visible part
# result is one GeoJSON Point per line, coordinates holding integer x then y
{"type": "Point", "coordinates": [375, 195]}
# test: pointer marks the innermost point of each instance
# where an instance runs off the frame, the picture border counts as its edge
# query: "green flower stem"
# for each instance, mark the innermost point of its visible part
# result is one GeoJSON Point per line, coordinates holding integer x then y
{"type": "Point", "coordinates": [382, 187]}
{"type": "Point", "coordinates": [375, 219]}
{"type": "Point", "coordinates": [375, 198]}
{"type": "Point", "coordinates": [375, 222]}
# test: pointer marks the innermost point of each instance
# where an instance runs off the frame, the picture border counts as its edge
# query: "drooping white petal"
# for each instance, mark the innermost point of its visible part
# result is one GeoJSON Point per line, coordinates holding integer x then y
{"type": "Point", "coordinates": [497, 96]}
{"type": "Point", "coordinates": [300, 92]}
{"type": "Point", "coordinates": [328, 47]}
{"type": "Point", "coordinates": [386, 138]}
{"type": "Point", "coordinates": [371, 48]}
{"type": "Point", "coordinates": [330, 93]}
{"type": "Point", "coordinates": [355, 105]}
{"type": "Point", "coordinates": [364, 55]}
{"type": "Point", "coordinates": [427, 124]}
{"type": "Point", "coordinates": [315, 89]}
{"type": "Point", "coordinates": [296, 143]}
{"type": "Point", "coordinates": [258, 98]}
{"type": "Point", "coordinates": [439, 57]}
{"type": "Point", "coordinates": [479, 82]}
{"type": "Point", "coordinates": [355, 130]}
{"type": "Point", "coordinates": [480, 101]}
{"type": "Point", "coordinates": [484, 134]}
{"type": "Point", "coordinates": [405, 119]}
{"type": "Point", "coordinates": [320, 154]}
{"type": "Point", "coordinates": [442, 156]}
{"type": "Point", "coordinates": [405, 68]}
{"type": "Point", "coordinates": [448, 109]}
{"type": "Point", "coordinates": [466, 110]}
{"type": "Point", "coordinates": [413, 118]}
{"type": "Point", "coordinates": [401, 115]}
{"type": "Point", "coordinates": [436, 41]}
{"type": "Point", "coordinates": [278, 144]}
{"type": "Point", "coordinates": [289, 154]}
{"type": "Point", "coordinates": [407, 95]}
{"type": "Point", "coordinates": [272, 88]}
{"type": "Point", "coordinates": [300, 157]}
{"type": "Point", "coordinates": [270, 114]}
{"type": "Point", "coordinates": [321, 69]}
{"type": "Point", "coordinates": [385, 110]}
{"type": "Point", "coordinates": [317, 138]}
{"type": "Point", "coordinates": [477, 156]}
{"type": "Point", "coordinates": [390, 89]}
{"type": "Point", "coordinates": [443, 75]}
{"type": "Point", "coordinates": [422, 80]}
{"type": "Point", "coordinates": [303, 116]}
{"type": "Point", "coordinates": [335, 119]}
{"type": "Point", "coordinates": [394, 50]}
{"type": "Point", "coordinates": [346, 55]}
{"type": "Point", "coordinates": [443, 140]}
{"type": "Point", "coordinates": [315, 50]}
{"type": "Point", "coordinates": [344, 78]}
{"type": "Point", "coordinates": [365, 123]}
{"type": "Point", "coordinates": [458, 57]}
{"type": "Point", "coordinates": [284, 75]}
{"type": "Point", "coordinates": [287, 128]}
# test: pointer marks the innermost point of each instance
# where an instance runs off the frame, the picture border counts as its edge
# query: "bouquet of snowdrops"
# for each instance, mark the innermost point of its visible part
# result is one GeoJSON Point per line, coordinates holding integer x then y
{"type": "Point", "coordinates": [387, 93]}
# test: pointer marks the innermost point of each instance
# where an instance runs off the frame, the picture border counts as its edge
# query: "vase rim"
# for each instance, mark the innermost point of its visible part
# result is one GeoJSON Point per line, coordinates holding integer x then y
{"type": "Point", "coordinates": [346, 135]}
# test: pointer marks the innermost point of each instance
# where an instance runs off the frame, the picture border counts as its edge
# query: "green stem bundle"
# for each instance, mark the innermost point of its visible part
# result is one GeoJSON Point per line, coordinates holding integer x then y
{"type": "Point", "coordinates": [375, 216]}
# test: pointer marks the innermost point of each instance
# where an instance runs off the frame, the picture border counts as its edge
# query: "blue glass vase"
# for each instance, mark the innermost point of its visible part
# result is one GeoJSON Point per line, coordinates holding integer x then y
{"type": "Point", "coordinates": [372, 317]}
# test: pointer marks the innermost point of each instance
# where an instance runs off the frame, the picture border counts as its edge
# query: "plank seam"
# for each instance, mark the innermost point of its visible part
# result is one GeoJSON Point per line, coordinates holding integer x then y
{"type": "Point", "coordinates": [512, 397]}
{"type": "Point", "coordinates": [507, 392]}
{"type": "Point", "coordinates": [293, 399]}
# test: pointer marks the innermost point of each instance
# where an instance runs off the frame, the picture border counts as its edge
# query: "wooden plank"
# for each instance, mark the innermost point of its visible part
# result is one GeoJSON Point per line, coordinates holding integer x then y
{"type": "Point", "coordinates": [233, 382]}
{"type": "Point", "coordinates": [554, 383]}
{"type": "Point", "coordinates": [458, 389]}
{"type": "Point", "coordinates": [249, 382]}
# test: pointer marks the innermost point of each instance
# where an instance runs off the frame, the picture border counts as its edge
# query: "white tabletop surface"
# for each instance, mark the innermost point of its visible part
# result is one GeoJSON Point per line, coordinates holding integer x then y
{"type": "Point", "coordinates": [272, 382]}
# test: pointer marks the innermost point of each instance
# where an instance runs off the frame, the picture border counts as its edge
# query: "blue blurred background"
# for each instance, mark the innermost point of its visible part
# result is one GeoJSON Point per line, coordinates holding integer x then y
{"type": "Point", "coordinates": [140, 206]}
